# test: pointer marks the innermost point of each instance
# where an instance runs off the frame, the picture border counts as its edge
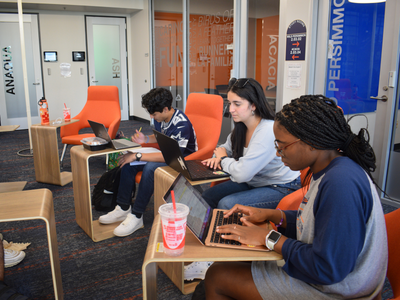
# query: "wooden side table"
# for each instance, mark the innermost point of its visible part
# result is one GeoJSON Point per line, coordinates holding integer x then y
{"type": "Point", "coordinates": [82, 198]}
{"type": "Point", "coordinates": [45, 154]}
{"type": "Point", "coordinates": [194, 251]}
{"type": "Point", "coordinates": [15, 207]}
{"type": "Point", "coordinates": [7, 128]}
{"type": "Point", "coordinates": [163, 178]}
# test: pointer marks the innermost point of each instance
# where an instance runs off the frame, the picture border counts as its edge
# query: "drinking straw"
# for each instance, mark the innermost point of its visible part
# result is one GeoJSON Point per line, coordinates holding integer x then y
{"type": "Point", "coordinates": [65, 105]}
{"type": "Point", "coordinates": [173, 201]}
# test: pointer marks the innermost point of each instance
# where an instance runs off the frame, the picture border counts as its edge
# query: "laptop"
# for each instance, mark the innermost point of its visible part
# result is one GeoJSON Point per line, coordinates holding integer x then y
{"type": "Point", "coordinates": [202, 219]}
{"type": "Point", "coordinates": [191, 169]}
{"type": "Point", "coordinates": [100, 131]}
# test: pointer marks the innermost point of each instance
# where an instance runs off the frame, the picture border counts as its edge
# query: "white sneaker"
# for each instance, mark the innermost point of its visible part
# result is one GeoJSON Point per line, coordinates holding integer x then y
{"type": "Point", "coordinates": [12, 257]}
{"type": "Point", "coordinates": [196, 270]}
{"type": "Point", "coordinates": [116, 215]}
{"type": "Point", "coordinates": [129, 225]}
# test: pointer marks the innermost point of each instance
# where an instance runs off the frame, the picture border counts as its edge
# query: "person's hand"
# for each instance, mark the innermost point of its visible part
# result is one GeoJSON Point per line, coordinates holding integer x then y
{"type": "Point", "coordinates": [213, 163]}
{"type": "Point", "coordinates": [220, 152]}
{"type": "Point", "coordinates": [251, 214]}
{"type": "Point", "coordinates": [126, 159]}
{"type": "Point", "coordinates": [248, 233]}
{"type": "Point", "coordinates": [138, 137]}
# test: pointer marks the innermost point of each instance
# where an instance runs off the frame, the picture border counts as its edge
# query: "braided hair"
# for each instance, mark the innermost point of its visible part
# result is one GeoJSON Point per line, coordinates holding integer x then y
{"type": "Point", "coordinates": [319, 122]}
{"type": "Point", "coordinates": [253, 92]}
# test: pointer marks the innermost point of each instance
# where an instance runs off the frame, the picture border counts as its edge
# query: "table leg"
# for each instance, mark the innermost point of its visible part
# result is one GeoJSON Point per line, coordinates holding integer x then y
{"type": "Point", "coordinates": [149, 281]}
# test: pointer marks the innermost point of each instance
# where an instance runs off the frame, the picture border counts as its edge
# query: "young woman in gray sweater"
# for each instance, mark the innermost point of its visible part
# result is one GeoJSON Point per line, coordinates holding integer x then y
{"type": "Point", "coordinates": [258, 176]}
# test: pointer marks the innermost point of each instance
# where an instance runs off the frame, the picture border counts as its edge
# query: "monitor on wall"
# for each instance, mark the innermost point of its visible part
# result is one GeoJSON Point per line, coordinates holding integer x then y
{"type": "Point", "coordinates": [78, 55]}
{"type": "Point", "coordinates": [50, 56]}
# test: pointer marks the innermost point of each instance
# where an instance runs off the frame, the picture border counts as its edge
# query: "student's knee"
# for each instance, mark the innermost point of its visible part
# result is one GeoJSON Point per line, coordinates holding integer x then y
{"type": "Point", "coordinates": [227, 203]}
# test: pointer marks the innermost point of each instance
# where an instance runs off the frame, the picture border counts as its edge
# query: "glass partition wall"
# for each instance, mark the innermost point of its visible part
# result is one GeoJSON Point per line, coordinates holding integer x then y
{"type": "Point", "coordinates": [211, 46]}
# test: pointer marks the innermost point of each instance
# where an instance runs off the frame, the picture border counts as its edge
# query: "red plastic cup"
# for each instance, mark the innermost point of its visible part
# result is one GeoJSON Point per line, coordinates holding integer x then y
{"type": "Point", "coordinates": [67, 114]}
{"type": "Point", "coordinates": [173, 227]}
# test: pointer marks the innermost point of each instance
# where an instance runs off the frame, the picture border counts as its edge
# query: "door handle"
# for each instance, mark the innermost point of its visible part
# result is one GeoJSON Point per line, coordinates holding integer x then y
{"type": "Point", "coordinates": [383, 98]}
{"type": "Point", "coordinates": [36, 83]}
{"type": "Point", "coordinates": [94, 81]}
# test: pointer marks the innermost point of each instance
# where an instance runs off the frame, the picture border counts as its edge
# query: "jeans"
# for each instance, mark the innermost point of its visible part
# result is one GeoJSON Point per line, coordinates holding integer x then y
{"type": "Point", "coordinates": [127, 185]}
{"type": "Point", "coordinates": [225, 195]}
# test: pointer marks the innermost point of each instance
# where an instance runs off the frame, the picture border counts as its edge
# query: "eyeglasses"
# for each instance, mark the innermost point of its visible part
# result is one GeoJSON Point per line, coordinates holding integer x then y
{"type": "Point", "coordinates": [280, 151]}
{"type": "Point", "coordinates": [240, 83]}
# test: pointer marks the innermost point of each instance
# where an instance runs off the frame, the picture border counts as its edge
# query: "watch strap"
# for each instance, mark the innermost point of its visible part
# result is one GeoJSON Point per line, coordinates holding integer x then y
{"type": "Point", "coordinates": [223, 157]}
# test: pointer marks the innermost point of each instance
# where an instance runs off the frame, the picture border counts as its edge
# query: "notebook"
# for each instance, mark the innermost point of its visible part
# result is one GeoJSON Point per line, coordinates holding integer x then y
{"type": "Point", "coordinates": [100, 131]}
{"type": "Point", "coordinates": [202, 219]}
{"type": "Point", "coordinates": [191, 169]}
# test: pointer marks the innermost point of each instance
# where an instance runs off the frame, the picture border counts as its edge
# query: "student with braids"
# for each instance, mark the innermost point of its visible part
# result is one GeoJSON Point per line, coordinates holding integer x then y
{"type": "Point", "coordinates": [335, 245]}
{"type": "Point", "coordinates": [258, 176]}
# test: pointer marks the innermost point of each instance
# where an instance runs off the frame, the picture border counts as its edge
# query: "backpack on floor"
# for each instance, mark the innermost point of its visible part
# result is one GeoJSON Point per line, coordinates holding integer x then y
{"type": "Point", "coordinates": [104, 196]}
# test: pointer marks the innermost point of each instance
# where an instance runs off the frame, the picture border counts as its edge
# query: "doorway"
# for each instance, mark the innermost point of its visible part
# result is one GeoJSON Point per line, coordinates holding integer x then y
{"type": "Point", "coordinates": [13, 110]}
{"type": "Point", "coordinates": [387, 135]}
{"type": "Point", "coordinates": [106, 42]}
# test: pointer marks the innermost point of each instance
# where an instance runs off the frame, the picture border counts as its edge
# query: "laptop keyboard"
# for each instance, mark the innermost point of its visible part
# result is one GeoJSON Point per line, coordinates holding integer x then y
{"type": "Point", "coordinates": [198, 170]}
{"type": "Point", "coordinates": [220, 220]}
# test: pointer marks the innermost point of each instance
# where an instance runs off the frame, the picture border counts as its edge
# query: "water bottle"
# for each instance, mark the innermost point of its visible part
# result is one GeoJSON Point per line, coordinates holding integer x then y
{"type": "Point", "coordinates": [44, 111]}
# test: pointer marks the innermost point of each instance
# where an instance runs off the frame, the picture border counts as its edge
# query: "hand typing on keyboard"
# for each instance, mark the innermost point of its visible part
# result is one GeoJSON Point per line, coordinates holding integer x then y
{"type": "Point", "coordinates": [247, 233]}
{"type": "Point", "coordinates": [212, 163]}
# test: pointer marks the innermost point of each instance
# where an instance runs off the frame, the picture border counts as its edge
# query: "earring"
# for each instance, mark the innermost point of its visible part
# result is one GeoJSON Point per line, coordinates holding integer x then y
{"type": "Point", "coordinates": [253, 113]}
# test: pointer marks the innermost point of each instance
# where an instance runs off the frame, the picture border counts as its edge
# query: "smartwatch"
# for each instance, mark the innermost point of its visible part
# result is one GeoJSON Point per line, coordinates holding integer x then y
{"type": "Point", "coordinates": [271, 239]}
{"type": "Point", "coordinates": [138, 156]}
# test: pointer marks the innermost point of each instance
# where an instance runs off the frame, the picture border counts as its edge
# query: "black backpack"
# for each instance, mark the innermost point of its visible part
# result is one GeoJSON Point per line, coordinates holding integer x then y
{"type": "Point", "coordinates": [104, 197]}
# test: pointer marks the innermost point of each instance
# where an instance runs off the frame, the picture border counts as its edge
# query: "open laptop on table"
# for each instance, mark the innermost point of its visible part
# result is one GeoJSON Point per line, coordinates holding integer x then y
{"type": "Point", "coordinates": [100, 131]}
{"type": "Point", "coordinates": [191, 169]}
{"type": "Point", "coordinates": [202, 219]}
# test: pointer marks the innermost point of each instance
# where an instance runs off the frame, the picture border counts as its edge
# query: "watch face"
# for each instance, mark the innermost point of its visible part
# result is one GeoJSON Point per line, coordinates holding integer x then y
{"type": "Point", "coordinates": [274, 236]}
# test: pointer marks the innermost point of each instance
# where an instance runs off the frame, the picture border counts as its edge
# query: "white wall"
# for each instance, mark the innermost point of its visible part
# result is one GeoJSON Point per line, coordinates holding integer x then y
{"type": "Point", "coordinates": [64, 33]}
{"type": "Point", "coordinates": [139, 61]}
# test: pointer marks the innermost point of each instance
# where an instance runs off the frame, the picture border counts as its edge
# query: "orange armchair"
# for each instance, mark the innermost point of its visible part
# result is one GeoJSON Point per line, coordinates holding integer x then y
{"type": "Point", "coordinates": [102, 106]}
{"type": "Point", "coordinates": [205, 113]}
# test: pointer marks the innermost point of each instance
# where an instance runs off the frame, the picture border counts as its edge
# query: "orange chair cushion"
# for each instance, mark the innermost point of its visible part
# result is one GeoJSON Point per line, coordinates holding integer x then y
{"type": "Point", "coordinates": [393, 234]}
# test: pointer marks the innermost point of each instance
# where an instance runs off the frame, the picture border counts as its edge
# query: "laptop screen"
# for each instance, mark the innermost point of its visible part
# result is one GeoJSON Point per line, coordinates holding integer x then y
{"type": "Point", "coordinates": [199, 210]}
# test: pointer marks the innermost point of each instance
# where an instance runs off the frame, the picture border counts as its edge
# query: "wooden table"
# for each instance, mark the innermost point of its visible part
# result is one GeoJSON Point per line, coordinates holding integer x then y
{"type": "Point", "coordinates": [7, 128]}
{"type": "Point", "coordinates": [45, 154]}
{"type": "Point", "coordinates": [32, 205]}
{"type": "Point", "coordinates": [82, 198]}
{"type": "Point", "coordinates": [163, 178]}
{"type": "Point", "coordinates": [13, 186]}
{"type": "Point", "coordinates": [194, 251]}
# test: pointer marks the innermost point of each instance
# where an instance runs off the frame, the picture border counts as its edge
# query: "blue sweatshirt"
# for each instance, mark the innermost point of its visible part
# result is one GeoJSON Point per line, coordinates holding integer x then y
{"type": "Point", "coordinates": [338, 236]}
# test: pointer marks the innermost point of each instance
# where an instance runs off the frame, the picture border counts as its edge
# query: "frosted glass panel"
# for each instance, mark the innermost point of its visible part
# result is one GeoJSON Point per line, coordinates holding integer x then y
{"type": "Point", "coordinates": [12, 77]}
{"type": "Point", "coordinates": [107, 58]}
